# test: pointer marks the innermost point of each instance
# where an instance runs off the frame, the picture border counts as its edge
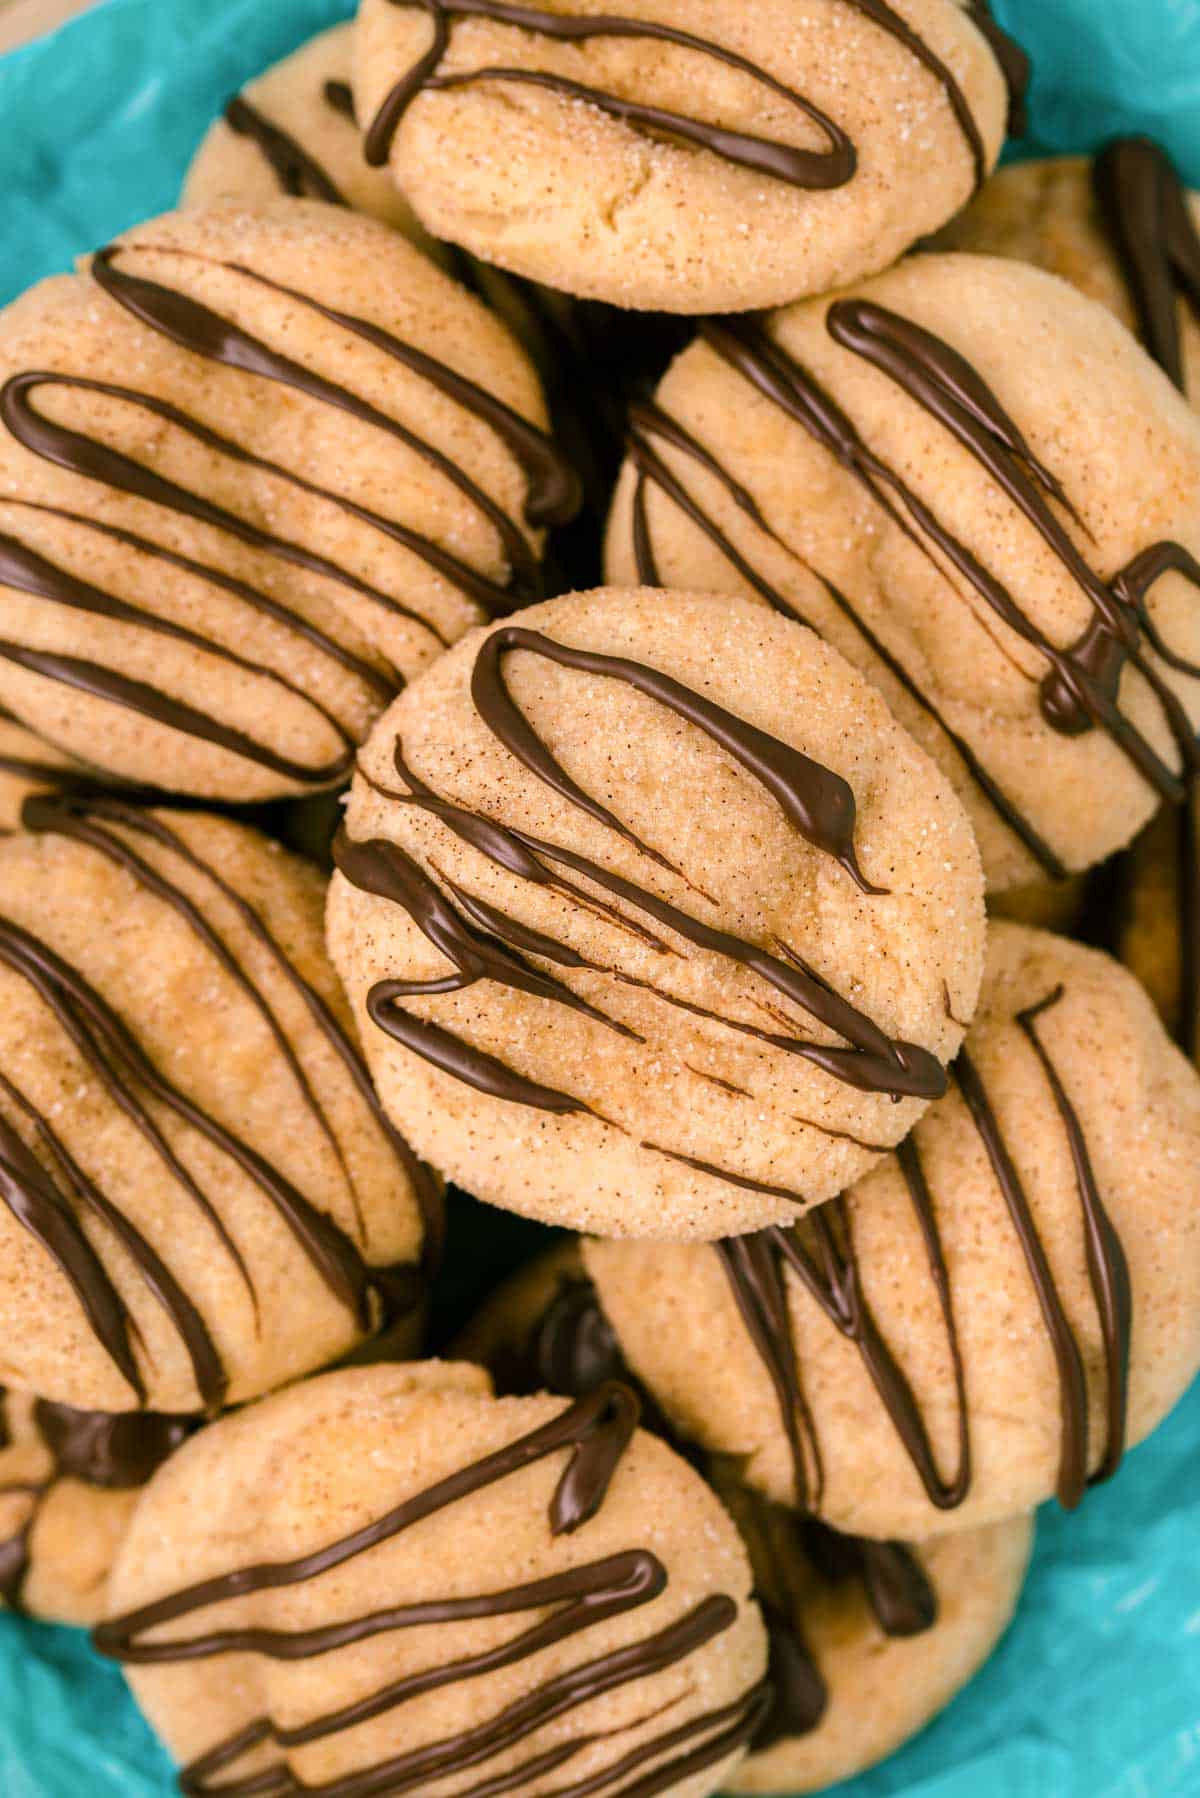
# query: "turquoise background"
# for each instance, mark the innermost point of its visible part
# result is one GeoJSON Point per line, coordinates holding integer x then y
{"type": "Point", "coordinates": [1095, 1692]}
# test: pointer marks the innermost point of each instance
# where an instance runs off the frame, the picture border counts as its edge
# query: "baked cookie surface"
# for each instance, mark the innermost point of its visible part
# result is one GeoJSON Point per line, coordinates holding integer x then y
{"type": "Point", "coordinates": [990, 1316]}
{"type": "Point", "coordinates": [698, 157]}
{"type": "Point", "coordinates": [654, 920]}
{"type": "Point", "coordinates": [201, 1196]}
{"type": "Point", "coordinates": [868, 1640]}
{"type": "Point", "coordinates": [392, 1578]}
{"type": "Point", "coordinates": [257, 469]}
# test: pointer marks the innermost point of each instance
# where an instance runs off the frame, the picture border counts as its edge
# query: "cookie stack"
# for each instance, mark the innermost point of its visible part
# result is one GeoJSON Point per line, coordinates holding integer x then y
{"type": "Point", "coordinates": [539, 455]}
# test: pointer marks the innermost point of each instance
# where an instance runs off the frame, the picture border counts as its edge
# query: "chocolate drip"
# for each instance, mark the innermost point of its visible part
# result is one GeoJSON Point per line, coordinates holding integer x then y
{"type": "Point", "coordinates": [552, 493]}
{"type": "Point", "coordinates": [112, 1453]}
{"type": "Point", "coordinates": [120, 1063]}
{"type": "Point", "coordinates": [1080, 689]}
{"type": "Point", "coordinates": [1145, 206]}
{"type": "Point", "coordinates": [572, 1348]}
{"type": "Point", "coordinates": [874, 1063]}
{"type": "Point", "coordinates": [339, 96]}
{"type": "Point", "coordinates": [595, 1432]}
{"type": "Point", "coordinates": [816, 801]}
{"type": "Point", "coordinates": [820, 1251]}
{"type": "Point", "coordinates": [298, 173]}
{"type": "Point", "coordinates": [1014, 64]}
{"type": "Point", "coordinates": [824, 169]}
{"type": "Point", "coordinates": [1108, 1268]}
{"type": "Point", "coordinates": [648, 422]}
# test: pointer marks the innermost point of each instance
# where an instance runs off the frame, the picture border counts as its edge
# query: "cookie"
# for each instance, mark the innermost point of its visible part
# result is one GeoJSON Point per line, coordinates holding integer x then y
{"type": "Point", "coordinates": [1120, 226]}
{"type": "Point", "coordinates": [293, 131]}
{"type": "Point", "coordinates": [653, 919]}
{"type": "Point", "coordinates": [971, 480]}
{"type": "Point", "coordinates": [257, 470]}
{"type": "Point", "coordinates": [383, 1580]}
{"type": "Point", "coordinates": [681, 157]}
{"type": "Point", "coordinates": [201, 1197]}
{"type": "Point", "coordinates": [69, 1482]}
{"type": "Point", "coordinates": [989, 1317]}
{"type": "Point", "coordinates": [868, 1640]}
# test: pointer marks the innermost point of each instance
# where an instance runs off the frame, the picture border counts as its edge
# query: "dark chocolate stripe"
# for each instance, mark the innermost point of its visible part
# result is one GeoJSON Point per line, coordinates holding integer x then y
{"type": "Point", "coordinates": [123, 1068]}
{"type": "Point", "coordinates": [827, 168]}
{"type": "Point", "coordinates": [1144, 205]}
{"type": "Point", "coordinates": [648, 422]}
{"type": "Point", "coordinates": [572, 1349]}
{"type": "Point", "coordinates": [820, 1251]}
{"type": "Point", "coordinates": [298, 173]}
{"type": "Point", "coordinates": [596, 1431]}
{"type": "Point", "coordinates": [1080, 689]}
{"type": "Point", "coordinates": [873, 1062]}
{"type": "Point", "coordinates": [112, 1453]}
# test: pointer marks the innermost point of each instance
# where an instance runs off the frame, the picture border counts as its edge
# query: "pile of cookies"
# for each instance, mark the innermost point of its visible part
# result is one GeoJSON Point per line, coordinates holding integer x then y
{"type": "Point", "coordinates": [566, 624]}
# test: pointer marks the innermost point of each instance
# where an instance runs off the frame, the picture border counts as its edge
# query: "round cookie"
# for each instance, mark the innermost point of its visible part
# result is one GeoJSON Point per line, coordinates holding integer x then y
{"type": "Point", "coordinates": [653, 919]}
{"type": "Point", "coordinates": [201, 1197]}
{"type": "Point", "coordinates": [1120, 227]}
{"type": "Point", "coordinates": [694, 158]}
{"type": "Point", "coordinates": [257, 470]}
{"type": "Point", "coordinates": [971, 480]}
{"type": "Point", "coordinates": [934, 1352]}
{"type": "Point", "coordinates": [882, 1687]}
{"type": "Point", "coordinates": [868, 1641]}
{"type": "Point", "coordinates": [445, 1586]}
{"type": "Point", "coordinates": [69, 1482]}
{"type": "Point", "coordinates": [292, 131]}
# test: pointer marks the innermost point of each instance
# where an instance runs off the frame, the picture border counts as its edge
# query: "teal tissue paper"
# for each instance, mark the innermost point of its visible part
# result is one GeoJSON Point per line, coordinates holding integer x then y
{"type": "Point", "coordinates": [1095, 1691]}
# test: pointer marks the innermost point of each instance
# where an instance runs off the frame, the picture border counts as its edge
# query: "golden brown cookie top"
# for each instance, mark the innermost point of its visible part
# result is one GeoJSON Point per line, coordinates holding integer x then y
{"type": "Point", "coordinates": [258, 468]}
{"type": "Point", "coordinates": [682, 157]}
{"type": "Point", "coordinates": [654, 919]}
{"type": "Point", "coordinates": [391, 1575]}
{"type": "Point", "coordinates": [993, 1313]}
{"type": "Point", "coordinates": [293, 131]}
{"type": "Point", "coordinates": [202, 1195]}
{"type": "Point", "coordinates": [969, 478]}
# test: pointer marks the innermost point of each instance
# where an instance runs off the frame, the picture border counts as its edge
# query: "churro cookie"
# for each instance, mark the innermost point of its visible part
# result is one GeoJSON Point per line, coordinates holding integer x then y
{"type": "Point", "coordinates": [681, 155]}
{"type": "Point", "coordinates": [384, 1580]}
{"type": "Point", "coordinates": [201, 1196]}
{"type": "Point", "coordinates": [971, 480]}
{"type": "Point", "coordinates": [69, 1481]}
{"type": "Point", "coordinates": [989, 1316]}
{"type": "Point", "coordinates": [868, 1640]}
{"type": "Point", "coordinates": [1158, 930]}
{"type": "Point", "coordinates": [1121, 227]}
{"type": "Point", "coordinates": [654, 920]}
{"type": "Point", "coordinates": [256, 470]}
{"type": "Point", "coordinates": [293, 131]}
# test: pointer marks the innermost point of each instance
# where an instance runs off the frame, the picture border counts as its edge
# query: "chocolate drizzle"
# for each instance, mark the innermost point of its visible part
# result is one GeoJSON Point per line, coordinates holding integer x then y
{"type": "Point", "coordinates": [112, 1453]}
{"type": "Point", "coordinates": [594, 1432]}
{"type": "Point", "coordinates": [1014, 64]}
{"type": "Point", "coordinates": [831, 167]}
{"type": "Point", "coordinates": [46, 1199]}
{"type": "Point", "coordinates": [1144, 205]}
{"type": "Point", "coordinates": [486, 944]}
{"type": "Point", "coordinates": [571, 1349]}
{"type": "Point", "coordinates": [298, 173]}
{"type": "Point", "coordinates": [1079, 692]}
{"type": "Point", "coordinates": [1147, 212]}
{"type": "Point", "coordinates": [821, 1254]}
{"type": "Point", "coordinates": [552, 493]}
